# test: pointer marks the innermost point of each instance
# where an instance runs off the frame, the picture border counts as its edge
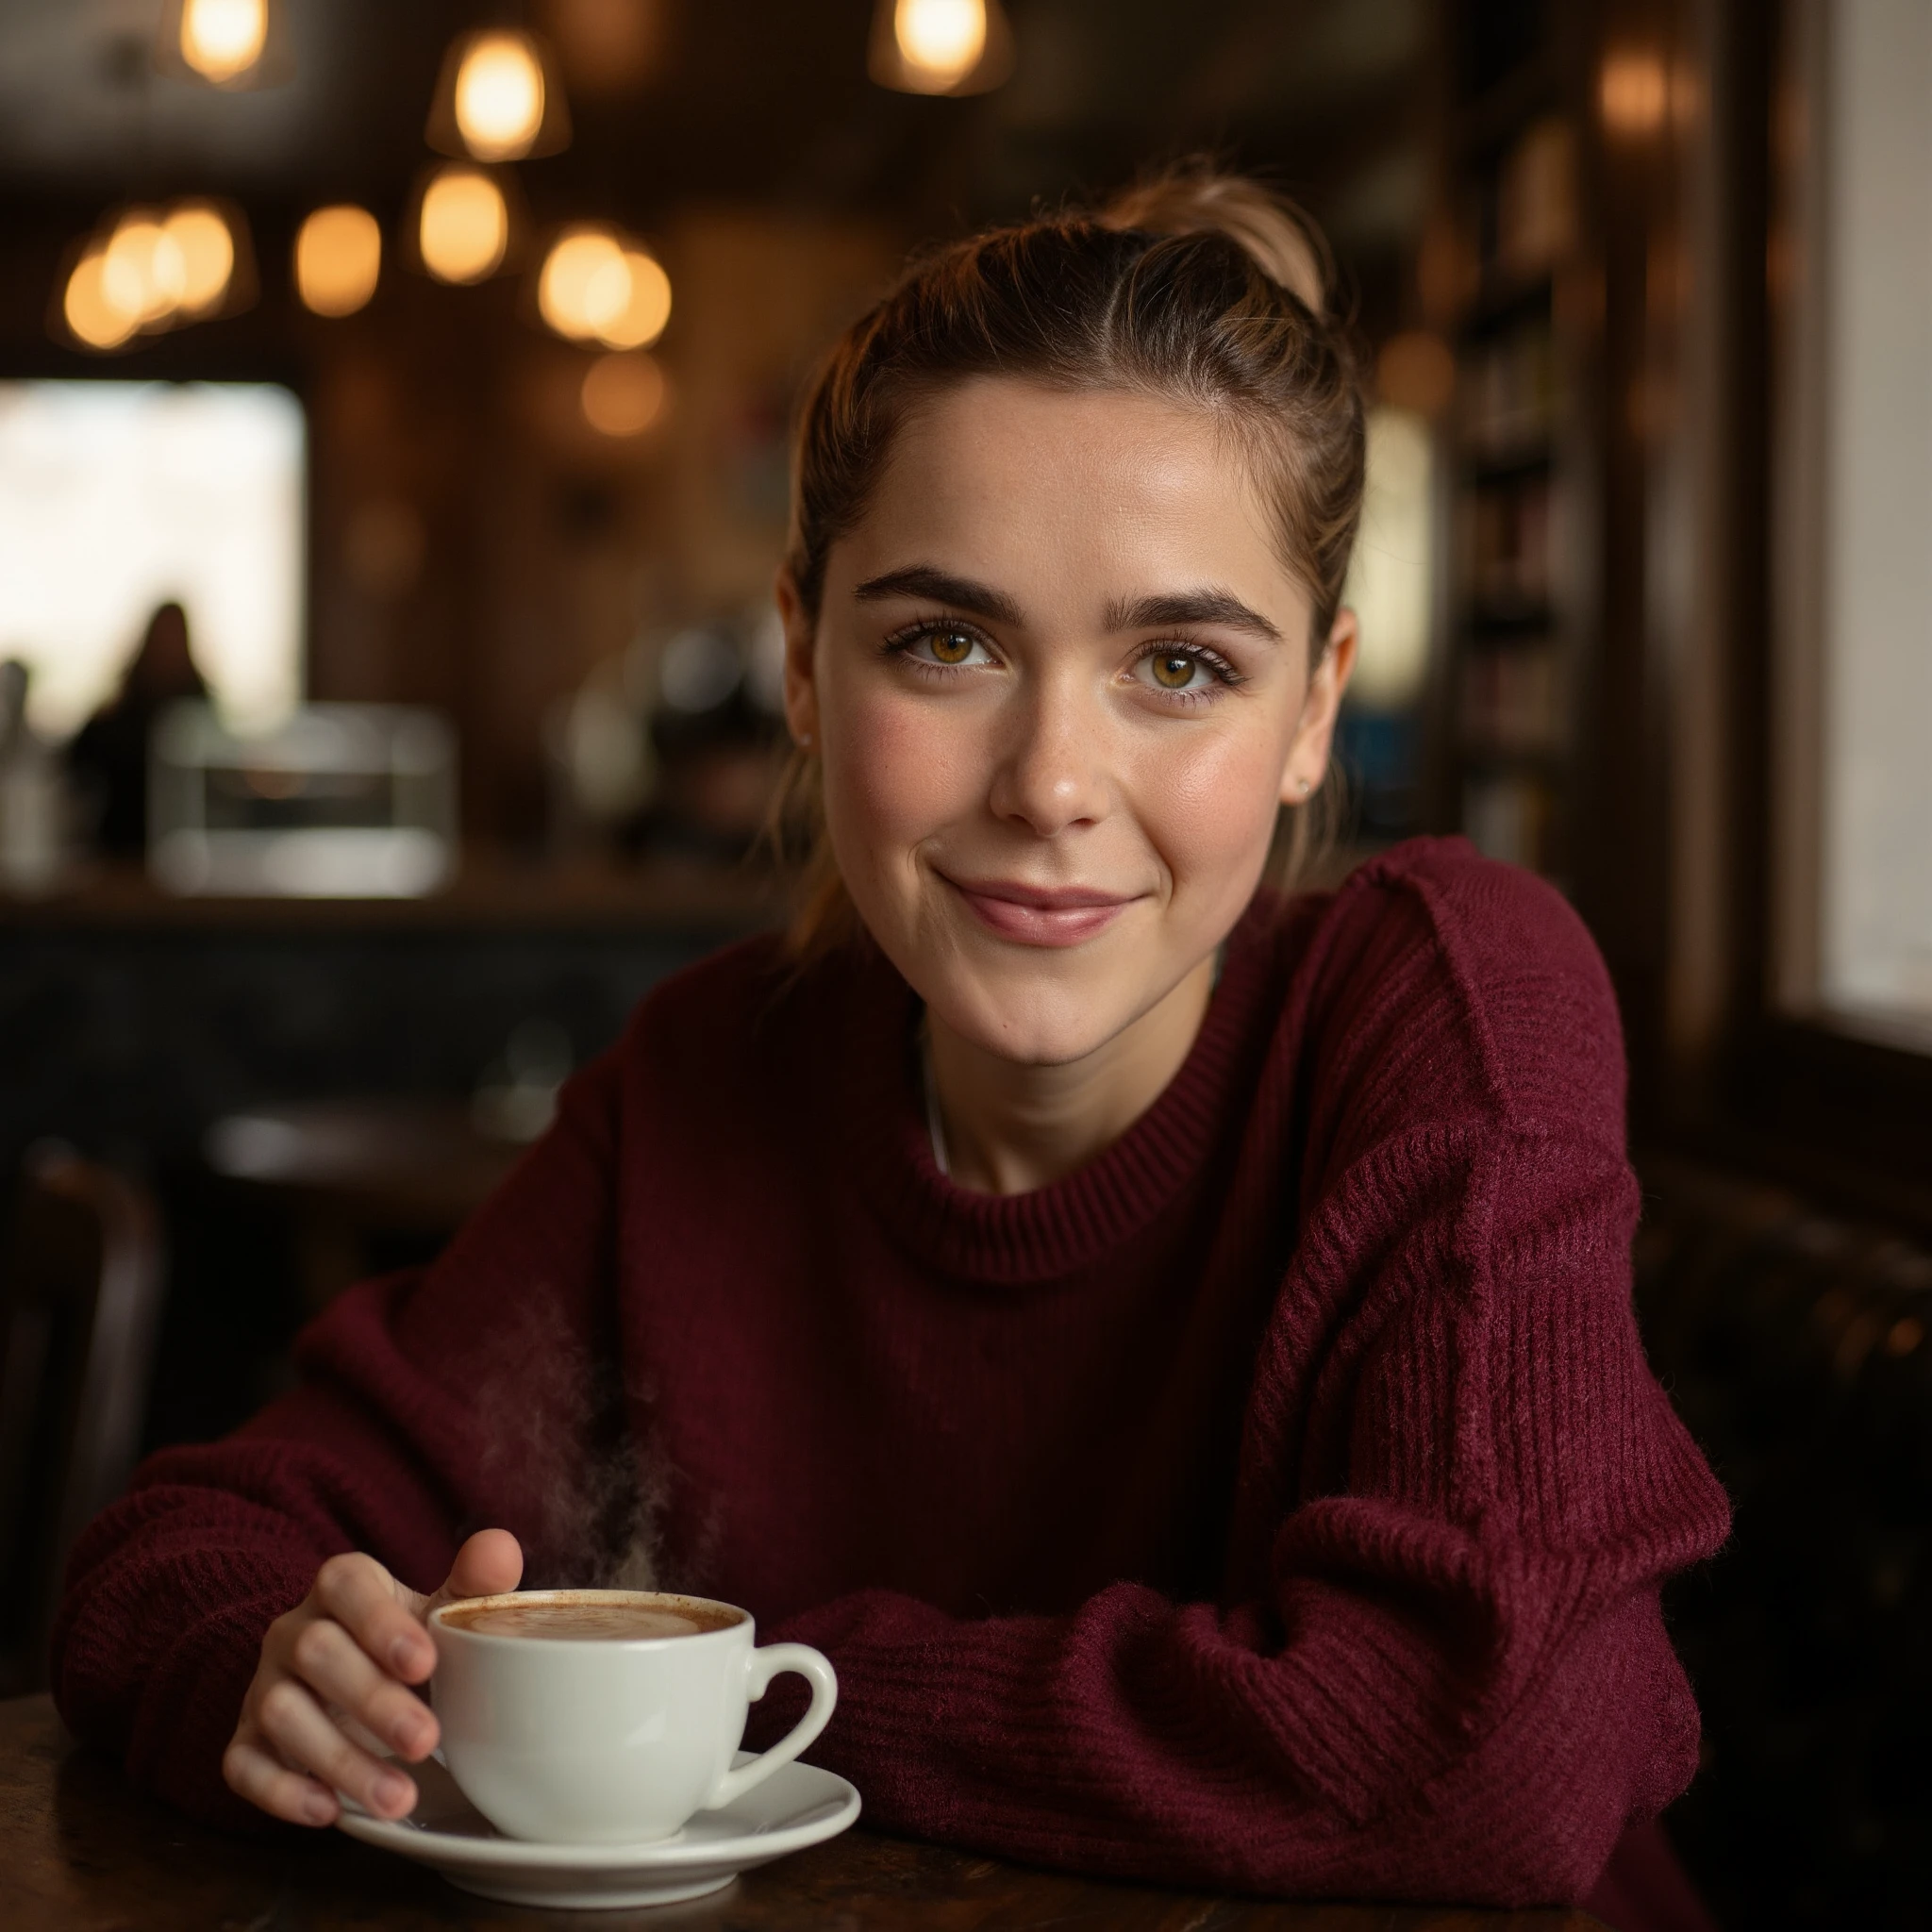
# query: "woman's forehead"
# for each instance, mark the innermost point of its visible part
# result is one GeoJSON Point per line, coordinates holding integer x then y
{"type": "Point", "coordinates": [1006, 477]}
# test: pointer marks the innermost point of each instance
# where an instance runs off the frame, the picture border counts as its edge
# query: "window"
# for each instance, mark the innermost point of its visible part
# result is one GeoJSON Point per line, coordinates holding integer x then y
{"type": "Point", "coordinates": [1391, 589]}
{"type": "Point", "coordinates": [1854, 599]}
{"type": "Point", "coordinates": [117, 496]}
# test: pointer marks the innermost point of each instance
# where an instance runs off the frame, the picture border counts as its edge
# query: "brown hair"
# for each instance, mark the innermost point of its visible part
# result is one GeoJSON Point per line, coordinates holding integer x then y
{"type": "Point", "coordinates": [1197, 286]}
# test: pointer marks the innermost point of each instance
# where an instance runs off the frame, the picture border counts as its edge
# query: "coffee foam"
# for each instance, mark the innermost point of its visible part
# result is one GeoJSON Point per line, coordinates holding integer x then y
{"type": "Point", "coordinates": [591, 1618]}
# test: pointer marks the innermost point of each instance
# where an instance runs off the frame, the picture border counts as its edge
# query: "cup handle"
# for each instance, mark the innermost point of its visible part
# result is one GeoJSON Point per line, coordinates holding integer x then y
{"type": "Point", "coordinates": [774, 1660]}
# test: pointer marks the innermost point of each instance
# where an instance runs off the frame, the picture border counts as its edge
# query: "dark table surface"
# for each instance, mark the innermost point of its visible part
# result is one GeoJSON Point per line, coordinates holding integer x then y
{"type": "Point", "coordinates": [81, 1852]}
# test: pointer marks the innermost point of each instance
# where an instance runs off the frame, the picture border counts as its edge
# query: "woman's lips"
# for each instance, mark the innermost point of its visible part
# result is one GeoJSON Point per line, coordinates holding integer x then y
{"type": "Point", "coordinates": [1039, 915]}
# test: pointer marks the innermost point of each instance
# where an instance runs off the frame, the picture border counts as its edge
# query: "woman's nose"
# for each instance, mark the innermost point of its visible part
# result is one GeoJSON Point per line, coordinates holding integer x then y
{"type": "Point", "coordinates": [1050, 775]}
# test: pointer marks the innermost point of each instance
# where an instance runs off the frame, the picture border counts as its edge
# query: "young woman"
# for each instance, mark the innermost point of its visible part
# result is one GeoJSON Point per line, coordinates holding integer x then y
{"type": "Point", "coordinates": [1169, 1344]}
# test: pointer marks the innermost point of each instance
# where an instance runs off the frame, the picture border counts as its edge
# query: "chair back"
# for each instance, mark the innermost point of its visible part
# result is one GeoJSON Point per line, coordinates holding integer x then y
{"type": "Point", "coordinates": [79, 1290]}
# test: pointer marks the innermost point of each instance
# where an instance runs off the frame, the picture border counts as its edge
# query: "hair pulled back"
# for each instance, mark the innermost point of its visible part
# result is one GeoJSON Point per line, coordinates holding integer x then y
{"type": "Point", "coordinates": [1201, 288]}
{"type": "Point", "coordinates": [1197, 287]}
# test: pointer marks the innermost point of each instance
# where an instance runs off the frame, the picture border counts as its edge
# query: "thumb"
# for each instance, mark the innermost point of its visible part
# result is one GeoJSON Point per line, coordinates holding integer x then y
{"type": "Point", "coordinates": [491, 1562]}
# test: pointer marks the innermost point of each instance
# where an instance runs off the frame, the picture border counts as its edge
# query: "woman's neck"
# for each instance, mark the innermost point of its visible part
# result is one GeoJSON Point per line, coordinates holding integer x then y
{"type": "Point", "coordinates": [1010, 1129]}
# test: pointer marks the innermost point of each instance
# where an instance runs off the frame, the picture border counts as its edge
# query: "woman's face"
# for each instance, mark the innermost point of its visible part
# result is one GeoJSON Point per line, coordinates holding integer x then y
{"type": "Point", "coordinates": [1059, 682]}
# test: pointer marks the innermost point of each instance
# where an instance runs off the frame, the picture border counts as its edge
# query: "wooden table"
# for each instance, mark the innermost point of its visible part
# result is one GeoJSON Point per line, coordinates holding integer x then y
{"type": "Point", "coordinates": [82, 1852]}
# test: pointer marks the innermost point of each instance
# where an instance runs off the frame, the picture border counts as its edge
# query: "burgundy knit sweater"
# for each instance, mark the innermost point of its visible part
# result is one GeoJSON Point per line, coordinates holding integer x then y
{"type": "Point", "coordinates": [1278, 1503]}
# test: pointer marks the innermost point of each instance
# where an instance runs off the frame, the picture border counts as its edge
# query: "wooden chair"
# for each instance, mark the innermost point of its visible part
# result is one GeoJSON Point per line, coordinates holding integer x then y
{"type": "Point", "coordinates": [80, 1291]}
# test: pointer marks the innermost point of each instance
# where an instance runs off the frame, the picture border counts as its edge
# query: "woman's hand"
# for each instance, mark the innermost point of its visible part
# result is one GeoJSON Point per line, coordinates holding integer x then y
{"type": "Point", "coordinates": [332, 1688]}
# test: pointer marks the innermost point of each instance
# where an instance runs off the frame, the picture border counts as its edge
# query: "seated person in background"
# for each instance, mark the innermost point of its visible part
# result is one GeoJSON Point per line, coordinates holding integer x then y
{"type": "Point", "coordinates": [1169, 1343]}
{"type": "Point", "coordinates": [108, 755]}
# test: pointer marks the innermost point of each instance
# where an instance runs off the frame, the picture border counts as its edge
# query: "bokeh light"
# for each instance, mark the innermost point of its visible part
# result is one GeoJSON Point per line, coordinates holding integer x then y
{"type": "Point", "coordinates": [641, 320]}
{"type": "Point", "coordinates": [597, 286]}
{"type": "Point", "coordinates": [499, 96]}
{"type": "Point", "coordinates": [337, 260]}
{"type": "Point", "coordinates": [585, 284]}
{"type": "Point", "coordinates": [464, 228]}
{"type": "Point", "coordinates": [206, 250]}
{"type": "Point", "coordinates": [96, 321]}
{"type": "Point", "coordinates": [939, 40]}
{"type": "Point", "coordinates": [221, 40]}
{"type": "Point", "coordinates": [623, 394]}
{"type": "Point", "coordinates": [142, 272]}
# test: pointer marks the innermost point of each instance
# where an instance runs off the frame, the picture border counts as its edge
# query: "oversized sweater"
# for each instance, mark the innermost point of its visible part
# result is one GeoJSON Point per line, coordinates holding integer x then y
{"type": "Point", "coordinates": [1278, 1503]}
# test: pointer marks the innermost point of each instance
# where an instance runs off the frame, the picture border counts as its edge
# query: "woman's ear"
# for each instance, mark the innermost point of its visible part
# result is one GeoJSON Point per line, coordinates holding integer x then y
{"type": "Point", "coordinates": [801, 665]}
{"type": "Point", "coordinates": [1314, 731]}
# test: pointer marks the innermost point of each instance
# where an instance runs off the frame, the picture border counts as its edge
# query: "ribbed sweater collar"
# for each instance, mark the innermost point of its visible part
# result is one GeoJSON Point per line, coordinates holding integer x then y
{"type": "Point", "coordinates": [1057, 1230]}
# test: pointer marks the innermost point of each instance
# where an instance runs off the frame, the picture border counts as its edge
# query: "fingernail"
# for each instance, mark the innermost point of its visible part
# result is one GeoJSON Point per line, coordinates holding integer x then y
{"type": "Point", "coordinates": [392, 1793]}
{"type": "Point", "coordinates": [405, 1653]}
{"type": "Point", "coordinates": [318, 1807]}
{"type": "Point", "coordinates": [412, 1737]}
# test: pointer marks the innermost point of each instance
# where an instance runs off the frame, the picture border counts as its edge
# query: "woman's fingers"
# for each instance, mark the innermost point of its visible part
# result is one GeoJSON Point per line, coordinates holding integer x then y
{"type": "Point", "coordinates": [305, 1737]}
{"type": "Point", "coordinates": [363, 1598]}
{"type": "Point", "coordinates": [339, 1671]}
{"type": "Point", "coordinates": [254, 1772]}
{"type": "Point", "coordinates": [491, 1562]}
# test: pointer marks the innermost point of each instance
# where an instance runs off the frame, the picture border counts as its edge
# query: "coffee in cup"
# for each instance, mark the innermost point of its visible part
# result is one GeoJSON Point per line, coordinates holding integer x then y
{"type": "Point", "coordinates": [608, 1716]}
{"type": "Point", "coordinates": [586, 1621]}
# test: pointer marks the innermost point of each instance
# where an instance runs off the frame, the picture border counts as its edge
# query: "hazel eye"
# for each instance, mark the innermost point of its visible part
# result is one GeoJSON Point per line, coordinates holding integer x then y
{"type": "Point", "coordinates": [1174, 670]}
{"type": "Point", "coordinates": [950, 646]}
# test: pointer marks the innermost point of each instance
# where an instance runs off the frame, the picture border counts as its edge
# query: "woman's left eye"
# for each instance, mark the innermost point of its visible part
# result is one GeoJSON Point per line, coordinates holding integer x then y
{"type": "Point", "coordinates": [1168, 670]}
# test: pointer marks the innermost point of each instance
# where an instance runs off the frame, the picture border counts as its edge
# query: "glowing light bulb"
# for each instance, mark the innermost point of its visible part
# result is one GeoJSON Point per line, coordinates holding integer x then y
{"type": "Point", "coordinates": [584, 286]}
{"type": "Point", "coordinates": [939, 40]}
{"type": "Point", "coordinates": [95, 318]}
{"type": "Point", "coordinates": [623, 395]}
{"type": "Point", "coordinates": [464, 229]}
{"type": "Point", "coordinates": [208, 254]}
{"type": "Point", "coordinates": [223, 38]}
{"type": "Point", "coordinates": [647, 307]}
{"type": "Point", "coordinates": [499, 96]}
{"type": "Point", "coordinates": [142, 271]}
{"type": "Point", "coordinates": [337, 260]}
{"type": "Point", "coordinates": [1634, 93]}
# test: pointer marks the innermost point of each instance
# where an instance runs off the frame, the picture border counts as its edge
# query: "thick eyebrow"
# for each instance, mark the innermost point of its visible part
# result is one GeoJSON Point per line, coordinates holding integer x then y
{"type": "Point", "coordinates": [941, 586]}
{"type": "Point", "coordinates": [1143, 614]}
{"type": "Point", "coordinates": [1191, 606]}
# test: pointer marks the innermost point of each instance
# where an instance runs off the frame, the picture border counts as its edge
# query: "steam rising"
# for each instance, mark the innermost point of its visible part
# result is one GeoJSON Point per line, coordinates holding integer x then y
{"type": "Point", "coordinates": [559, 1457]}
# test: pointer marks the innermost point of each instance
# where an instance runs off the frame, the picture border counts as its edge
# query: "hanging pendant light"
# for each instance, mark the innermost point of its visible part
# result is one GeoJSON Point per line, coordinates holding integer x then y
{"type": "Point", "coordinates": [598, 284]}
{"type": "Point", "coordinates": [90, 314]}
{"type": "Point", "coordinates": [142, 274]}
{"type": "Point", "coordinates": [940, 46]}
{"type": "Point", "coordinates": [232, 44]}
{"type": "Point", "coordinates": [205, 243]}
{"type": "Point", "coordinates": [148, 269]}
{"type": "Point", "coordinates": [337, 260]}
{"type": "Point", "coordinates": [462, 225]}
{"type": "Point", "coordinates": [499, 98]}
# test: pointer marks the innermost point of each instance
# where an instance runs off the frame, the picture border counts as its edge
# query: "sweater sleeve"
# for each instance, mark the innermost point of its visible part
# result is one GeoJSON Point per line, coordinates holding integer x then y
{"type": "Point", "coordinates": [1453, 1679]}
{"type": "Point", "coordinates": [1440, 1669]}
{"type": "Point", "coordinates": [170, 1590]}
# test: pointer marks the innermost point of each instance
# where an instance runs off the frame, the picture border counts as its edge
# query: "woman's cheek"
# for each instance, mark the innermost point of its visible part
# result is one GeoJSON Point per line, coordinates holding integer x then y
{"type": "Point", "coordinates": [1209, 809]}
{"type": "Point", "coordinates": [898, 770]}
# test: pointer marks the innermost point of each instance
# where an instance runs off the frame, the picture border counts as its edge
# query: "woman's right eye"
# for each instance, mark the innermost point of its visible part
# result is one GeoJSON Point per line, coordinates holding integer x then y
{"type": "Point", "coordinates": [947, 645]}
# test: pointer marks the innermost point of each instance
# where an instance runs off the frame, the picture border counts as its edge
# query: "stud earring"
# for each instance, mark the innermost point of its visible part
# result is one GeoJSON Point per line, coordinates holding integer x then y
{"type": "Point", "coordinates": [1301, 785]}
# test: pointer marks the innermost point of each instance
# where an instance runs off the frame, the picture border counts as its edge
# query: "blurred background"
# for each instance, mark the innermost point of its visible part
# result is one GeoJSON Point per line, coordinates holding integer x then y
{"type": "Point", "coordinates": [394, 406]}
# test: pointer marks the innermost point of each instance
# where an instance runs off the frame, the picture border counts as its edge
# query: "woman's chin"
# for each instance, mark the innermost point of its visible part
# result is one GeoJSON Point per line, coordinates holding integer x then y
{"type": "Point", "coordinates": [1053, 1027]}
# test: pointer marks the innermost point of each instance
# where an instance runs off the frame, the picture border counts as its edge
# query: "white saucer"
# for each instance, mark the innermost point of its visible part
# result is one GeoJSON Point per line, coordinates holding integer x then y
{"type": "Point", "coordinates": [797, 1805]}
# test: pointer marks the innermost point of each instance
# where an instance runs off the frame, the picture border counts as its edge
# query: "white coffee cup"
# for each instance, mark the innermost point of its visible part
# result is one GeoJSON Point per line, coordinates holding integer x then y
{"type": "Point", "coordinates": [569, 1740]}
